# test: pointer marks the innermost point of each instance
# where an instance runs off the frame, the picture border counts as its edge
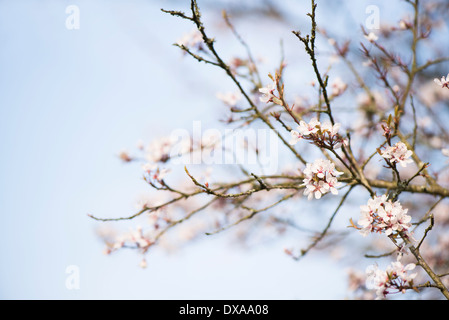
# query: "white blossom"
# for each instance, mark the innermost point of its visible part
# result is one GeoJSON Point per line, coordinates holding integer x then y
{"type": "Point", "coordinates": [143, 263]}
{"type": "Point", "coordinates": [443, 82]}
{"type": "Point", "coordinates": [445, 152]}
{"type": "Point", "coordinates": [338, 87]}
{"type": "Point", "coordinates": [320, 177]}
{"type": "Point", "coordinates": [398, 153]}
{"type": "Point", "coordinates": [371, 37]}
{"type": "Point", "coordinates": [191, 39]}
{"type": "Point", "coordinates": [159, 150]}
{"type": "Point", "coordinates": [229, 98]}
{"type": "Point", "coordinates": [383, 215]}
{"type": "Point", "coordinates": [394, 279]}
{"type": "Point", "coordinates": [322, 134]}
{"type": "Point", "coordinates": [308, 128]}
{"type": "Point", "coordinates": [267, 92]}
{"type": "Point", "coordinates": [332, 130]}
{"type": "Point", "coordinates": [403, 25]}
{"type": "Point", "coordinates": [138, 238]}
{"type": "Point", "coordinates": [295, 137]}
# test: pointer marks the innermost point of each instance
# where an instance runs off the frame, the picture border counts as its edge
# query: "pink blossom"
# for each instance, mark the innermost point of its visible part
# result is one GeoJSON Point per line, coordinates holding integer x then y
{"type": "Point", "coordinates": [230, 98]}
{"type": "Point", "coordinates": [309, 128]}
{"type": "Point", "coordinates": [320, 177]}
{"type": "Point", "coordinates": [394, 279]}
{"type": "Point", "coordinates": [338, 87]}
{"type": "Point", "coordinates": [322, 134]}
{"type": "Point", "coordinates": [398, 153]}
{"type": "Point", "coordinates": [193, 39]}
{"type": "Point", "coordinates": [383, 215]}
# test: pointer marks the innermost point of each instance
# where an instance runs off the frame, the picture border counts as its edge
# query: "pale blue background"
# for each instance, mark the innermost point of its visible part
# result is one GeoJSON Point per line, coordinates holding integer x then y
{"type": "Point", "coordinates": [70, 100]}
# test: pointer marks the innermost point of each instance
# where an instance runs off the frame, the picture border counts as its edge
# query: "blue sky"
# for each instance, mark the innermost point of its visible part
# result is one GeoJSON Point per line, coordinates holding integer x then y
{"type": "Point", "coordinates": [70, 100]}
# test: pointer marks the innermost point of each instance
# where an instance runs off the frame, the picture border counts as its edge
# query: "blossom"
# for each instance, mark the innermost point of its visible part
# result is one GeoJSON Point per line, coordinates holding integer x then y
{"type": "Point", "coordinates": [381, 214]}
{"type": "Point", "coordinates": [268, 92]}
{"type": "Point", "coordinates": [338, 87]}
{"type": "Point", "coordinates": [124, 156]}
{"type": "Point", "coordinates": [119, 243]}
{"type": "Point", "coordinates": [308, 128]}
{"type": "Point", "coordinates": [320, 177]}
{"type": "Point", "coordinates": [230, 98]}
{"type": "Point", "coordinates": [137, 237]}
{"type": "Point", "coordinates": [444, 82]}
{"type": "Point", "coordinates": [445, 152]}
{"type": "Point", "coordinates": [154, 173]}
{"type": "Point", "coordinates": [332, 130]}
{"type": "Point", "coordinates": [134, 238]}
{"type": "Point", "coordinates": [371, 37]}
{"type": "Point", "coordinates": [191, 40]}
{"type": "Point", "coordinates": [143, 263]}
{"type": "Point", "coordinates": [140, 145]}
{"type": "Point", "coordinates": [356, 279]}
{"type": "Point", "coordinates": [403, 25]}
{"type": "Point", "coordinates": [165, 148]}
{"type": "Point", "coordinates": [398, 153]}
{"type": "Point", "coordinates": [322, 134]}
{"type": "Point", "coordinates": [295, 137]}
{"type": "Point", "coordinates": [392, 280]}
{"type": "Point", "coordinates": [159, 150]}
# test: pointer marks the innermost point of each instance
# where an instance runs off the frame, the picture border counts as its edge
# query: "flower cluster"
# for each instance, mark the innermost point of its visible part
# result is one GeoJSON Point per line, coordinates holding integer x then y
{"type": "Point", "coordinates": [165, 148]}
{"type": "Point", "coordinates": [135, 238]}
{"type": "Point", "coordinates": [153, 173]}
{"type": "Point", "coordinates": [324, 135]}
{"type": "Point", "coordinates": [398, 154]}
{"type": "Point", "coordinates": [320, 177]}
{"type": "Point", "coordinates": [383, 215]}
{"type": "Point", "coordinates": [394, 279]}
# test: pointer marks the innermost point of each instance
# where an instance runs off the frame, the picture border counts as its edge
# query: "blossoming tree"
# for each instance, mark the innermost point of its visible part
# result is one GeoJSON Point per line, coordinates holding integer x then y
{"type": "Point", "coordinates": [381, 163]}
